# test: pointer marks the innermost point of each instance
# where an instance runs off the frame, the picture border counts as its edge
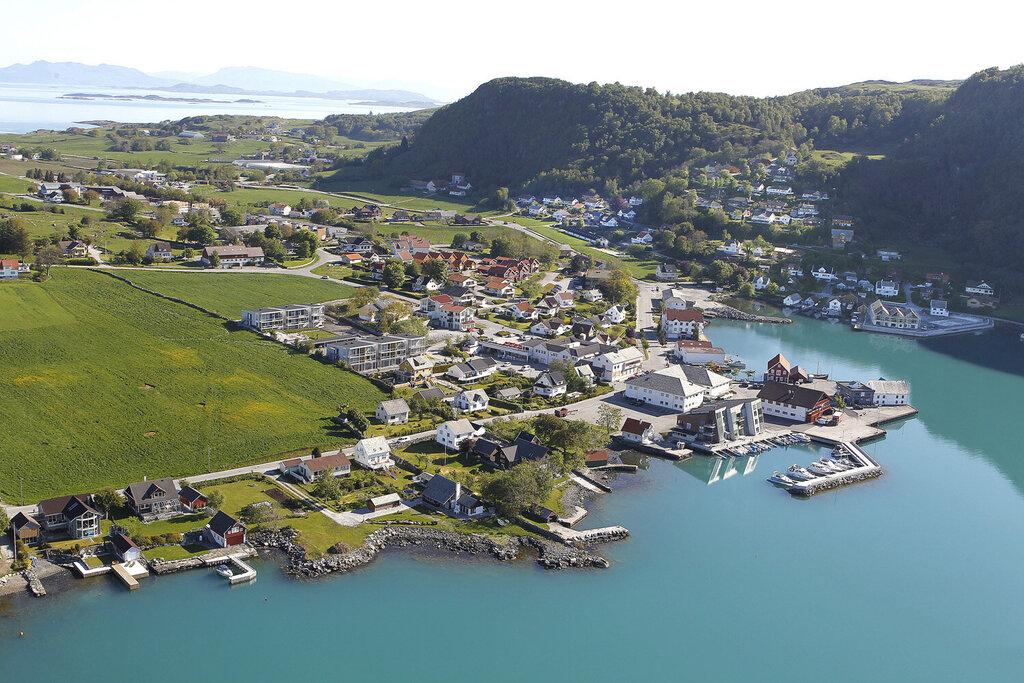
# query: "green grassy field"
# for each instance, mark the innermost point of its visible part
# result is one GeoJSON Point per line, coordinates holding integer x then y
{"type": "Point", "coordinates": [639, 268]}
{"type": "Point", "coordinates": [105, 384]}
{"type": "Point", "coordinates": [439, 234]}
{"type": "Point", "coordinates": [230, 293]}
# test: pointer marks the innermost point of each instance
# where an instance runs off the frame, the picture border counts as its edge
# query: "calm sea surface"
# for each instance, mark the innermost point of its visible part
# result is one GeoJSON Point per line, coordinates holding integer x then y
{"type": "Point", "coordinates": [24, 108]}
{"type": "Point", "coordinates": [916, 575]}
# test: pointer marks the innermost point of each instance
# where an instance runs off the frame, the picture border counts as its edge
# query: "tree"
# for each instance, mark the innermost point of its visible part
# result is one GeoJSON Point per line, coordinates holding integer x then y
{"type": "Point", "coordinates": [5, 523]}
{"type": "Point", "coordinates": [435, 268]}
{"type": "Point", "coordinates": [90, 196]}
{"type": "Point", "coordinates": [746, 290]}
{"type": "Point", "coordinates": [581, 263]}
{"type": "Point", "coordinates": [609, 417]}
{"type": "Point", "coordinates": [392, 313]}
{"type": "Point", "coordinates": [772, 289]}
{"type": "Point", "coordinates": [719, 271]}
{"type": "Point", "coordinates": [201, 234]}
{"type": "Point", "coordinates": [272, 232]}
{"type": "Point", "coordinates": [215, 500]}
{"type": "Point", "coordinates": [148, 228]}
{"type": "Point", "coordinates": [394, 274]}
{"type": "Point", "coordinates": [417, 326]}
{"type": "Point", "coordinates": [126, 210]}
{"type": "Point", "coordinates": [258, 514]}
{"type": "Point", "coordinates": [518, 489]}
{"type": "Point", "coordinates": [48, 257]}
{"type": "Point", "coordinates": [110, 500]}
{"type": "Point", "coordinates": [326, 486]}
{"type": "Point", "coordinates": [458, 240]}
{"type": "Point", "coordinates": [164, 214]}
{"type": "Point", "coordinates": [619, 287]}
{"type": "Point", "coordinates": [230, 216]}
{"type": "Point", "coordinates": [215, 260]}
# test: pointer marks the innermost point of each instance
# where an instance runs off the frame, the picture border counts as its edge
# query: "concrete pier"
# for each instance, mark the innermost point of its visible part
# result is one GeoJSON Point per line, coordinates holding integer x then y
{"type": "Point", "coordinates": [868, 469]}
{"type": "Point", "coordinates": [126, 578]}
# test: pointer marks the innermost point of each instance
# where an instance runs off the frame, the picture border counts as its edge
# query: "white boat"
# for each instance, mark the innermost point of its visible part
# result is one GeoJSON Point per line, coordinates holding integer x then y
{"type": "Point", "coordinates": [780, 478]}
{"type": "Point", "coordinates": [837, 465]}
{"type": "Point", "coordinates": [797, 472]}
{"type": "Point", "coordinates": [224, 571]}
{"type": "Point", "coordinates": [819, 469]}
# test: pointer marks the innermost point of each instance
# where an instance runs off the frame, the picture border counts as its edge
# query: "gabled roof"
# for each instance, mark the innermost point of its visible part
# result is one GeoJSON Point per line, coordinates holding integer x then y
{"type": "Point", "coordinates": [686, 316]}
{"type": "Point", "coordinates": [122, 543]}
{"type": "Point", "coordinates": [142, 491]}
{"type": "Point", "coordinates": [461, 426]}
{"type": "Point", "coordinates": [327, 462]}
{"type": "Point", "coordinates": [395, 406]}
{"type": "Point", "coordinates": [888, 386]}
{"type": "Point", "coordinates": [222, 523]}
{"type": "Point", "coordinates": [440, 489]}
{"type": "Point", "coordinates": [635, 426]}
{"type": "Point", "coordinates": [190, 494]}
{"type": "Point", "coordinates": [790, 394]}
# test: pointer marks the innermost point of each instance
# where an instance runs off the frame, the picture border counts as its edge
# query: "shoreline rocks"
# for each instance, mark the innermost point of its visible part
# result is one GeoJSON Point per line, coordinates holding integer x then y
{"type": "Point", "coordinates": [729, 313]}
{"type": "Point", "coordinates": [549, 555]}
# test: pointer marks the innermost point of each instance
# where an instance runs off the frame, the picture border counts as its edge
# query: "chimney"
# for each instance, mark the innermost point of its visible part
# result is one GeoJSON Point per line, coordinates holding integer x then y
{"type": "Point", "coordinates": [458, 492]}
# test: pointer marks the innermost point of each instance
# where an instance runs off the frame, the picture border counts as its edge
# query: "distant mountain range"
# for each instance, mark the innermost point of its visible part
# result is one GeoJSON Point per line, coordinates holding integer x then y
{"type": "Point", "coordinates": [235, 80]}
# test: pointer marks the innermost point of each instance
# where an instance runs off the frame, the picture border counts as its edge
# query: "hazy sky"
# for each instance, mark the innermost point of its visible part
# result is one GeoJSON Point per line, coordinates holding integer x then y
{"type": "Point", "coordinates": [735, 46]}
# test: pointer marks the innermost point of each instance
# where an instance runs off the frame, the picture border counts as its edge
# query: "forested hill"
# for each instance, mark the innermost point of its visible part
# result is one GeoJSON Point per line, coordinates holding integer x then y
{"type": "Point", "coordinates": [958, 183]}
{"type": "Point", "coordinates": [547, 133]}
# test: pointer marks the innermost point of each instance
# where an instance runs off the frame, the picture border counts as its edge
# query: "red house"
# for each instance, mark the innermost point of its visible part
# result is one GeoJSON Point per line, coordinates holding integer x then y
{"type": "Point", "coordinates": [799, 404]}
{"type": "Point", "coordinates": [225, 530]}
{"type": "Point", "coordinates": [191, 499]}
{"type": "Point", "coordinates": [778, 370]}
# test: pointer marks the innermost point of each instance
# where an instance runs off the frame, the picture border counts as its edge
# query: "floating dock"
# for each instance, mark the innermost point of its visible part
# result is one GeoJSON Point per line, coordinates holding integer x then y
{"type": "Point", "coordinates": [868, 469]}
{"type": "Point", "coordinates": [126, 577]}
{"type": "Point", "coordinates": [246, 573]}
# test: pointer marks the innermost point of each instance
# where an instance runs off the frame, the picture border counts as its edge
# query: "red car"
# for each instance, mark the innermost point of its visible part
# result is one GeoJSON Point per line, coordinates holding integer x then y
{"type": "Point", "coordinates": [561, 412]}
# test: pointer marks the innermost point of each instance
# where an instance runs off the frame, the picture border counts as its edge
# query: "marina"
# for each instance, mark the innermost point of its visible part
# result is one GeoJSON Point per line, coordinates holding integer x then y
{"type": "Point", "coordinates": [849, 464]}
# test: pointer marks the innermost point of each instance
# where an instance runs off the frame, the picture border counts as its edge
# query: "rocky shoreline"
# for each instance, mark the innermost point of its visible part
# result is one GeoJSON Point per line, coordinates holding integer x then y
{"type": "Point", "coordinates": [549, 555]}
{"type": "Point", "coordinates": [729, 313]}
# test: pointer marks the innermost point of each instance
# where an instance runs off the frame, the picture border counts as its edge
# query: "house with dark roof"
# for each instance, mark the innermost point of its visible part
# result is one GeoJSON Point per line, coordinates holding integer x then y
{"type": "Point", "coordinates": [493, 451]}
{"type": "Point", "coordinates": [393, 412]}
{"type": "Point", "coordinates": [449, 496]}
{"type": "Point", "coordinates": [124, 547]}
{"type": "Point", "coordinates": [793, 402]}
{"type": "Point", "coordinates": [473, 370]}
{"type": "Point", "coordinates": [74, 515]}
{"type": "Point", "coordinates": [153, 498]}
{"type": "Point", "coordinates": [550, 384]}
{"type": "Point", "coordinates": [225, 531]}
{"type": "Point", "coordinates": [191, 499]}
{"type": "Point", "coordinates": [25, 529]}
{"type": "Point", "coordinates": [638, 431]}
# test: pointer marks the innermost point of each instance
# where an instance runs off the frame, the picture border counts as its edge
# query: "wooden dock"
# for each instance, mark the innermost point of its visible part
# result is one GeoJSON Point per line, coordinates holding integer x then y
{"type": "Point", "coordinates": [126, 578]}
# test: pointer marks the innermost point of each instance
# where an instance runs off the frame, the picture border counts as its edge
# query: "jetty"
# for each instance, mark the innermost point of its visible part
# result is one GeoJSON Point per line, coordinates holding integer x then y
{"type": "Point", "coordinates": [241, 571]}
{"type": "Point", "coordinates": [127, 574]}
{"type": "Point", "coordinates": [867, 468]}
{"type": "Point", "coordinates": [668, 452]}
{"type": "Point", "coordinates": [35, 586]}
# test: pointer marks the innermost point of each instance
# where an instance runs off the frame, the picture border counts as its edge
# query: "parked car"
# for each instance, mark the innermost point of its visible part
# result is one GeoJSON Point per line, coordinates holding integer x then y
{"type": "Point", "coordinates": [561, 412]}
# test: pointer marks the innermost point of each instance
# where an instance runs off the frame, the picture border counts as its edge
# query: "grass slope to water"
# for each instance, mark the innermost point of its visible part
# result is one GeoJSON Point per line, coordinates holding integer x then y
{"type": "Point", "coordinates": [105, 384]}
{"type": "Point", "coordinates": [230, 293]}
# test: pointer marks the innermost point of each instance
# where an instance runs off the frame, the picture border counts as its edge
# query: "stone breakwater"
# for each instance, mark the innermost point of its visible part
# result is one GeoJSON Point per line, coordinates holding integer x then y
{"type": "Point", "coordinates": [729, 313]}
{"type": "Point", "coordinates": [549, 555]}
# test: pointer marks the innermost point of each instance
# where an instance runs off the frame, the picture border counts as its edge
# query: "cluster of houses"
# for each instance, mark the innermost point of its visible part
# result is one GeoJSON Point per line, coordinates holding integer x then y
{"type": "Point", "coordinates": [456, 186]}
{"type": "Point", "coordinates": [79, 516]}
{"type": "Point", "coordinates": [589, 211]}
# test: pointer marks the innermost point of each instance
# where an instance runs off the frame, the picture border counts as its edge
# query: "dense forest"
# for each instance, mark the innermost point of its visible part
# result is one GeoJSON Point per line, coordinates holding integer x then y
{"type": "Point", "coordinates": [543, 133]}
{"type": "Point", "coordinates": [957, 183]}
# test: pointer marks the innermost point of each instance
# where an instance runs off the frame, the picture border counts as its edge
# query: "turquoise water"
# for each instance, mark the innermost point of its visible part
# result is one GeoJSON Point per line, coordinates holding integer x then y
{"type": "Point", "coordinates": [915, 575]}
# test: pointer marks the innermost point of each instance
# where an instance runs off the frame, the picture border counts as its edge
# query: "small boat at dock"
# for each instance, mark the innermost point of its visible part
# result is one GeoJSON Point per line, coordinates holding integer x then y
{"type": "Point", "coordinates": [797, 472]}
{"type": "Point", "coordinates": [224, 571]}
{"type": "Point", "coordinates": [819, 469]}
{"type": "Point", "coordinates": [781, 479]}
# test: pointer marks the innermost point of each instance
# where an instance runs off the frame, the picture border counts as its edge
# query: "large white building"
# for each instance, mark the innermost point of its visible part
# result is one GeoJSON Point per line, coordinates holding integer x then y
{"type": "Point", "coordinates": [290, 317]}
{"type": "Point", "coordinates": [682, 323]}
{"type": "Point", "coordinates": [373, 453]}
{"type": "Point", "coordinates": [890, 392]}
{"type": "Point", "coordinates": [453, 433]}
{"type": "Point", "coordinates": [668, 388]}
{"type": "Point", "coordinates": [618, 365]}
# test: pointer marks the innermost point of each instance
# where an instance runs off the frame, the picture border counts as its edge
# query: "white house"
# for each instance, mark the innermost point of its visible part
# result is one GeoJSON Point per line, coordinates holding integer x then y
{"type": "Point", "coordinates": [668, 388]}
{"type": "Point", "coordinates": [761, 283]}
{"type": "Point", "coordinates": [638, 431]}
{"type": "Point", "coordinates": [643, 238]}
{"type": "Point", "coordinates": [549, 328]}
{"type": "Point", "coordinates": [982, 288]}
{"type": "Point", "coordinates": [887, 288]}
{"type": "Point", "coordinates": [338, 465]}
{"type": "Point", "coordinates": [616, 315]}
{"type": "Point", "coordinates": [453, 433]}
{"type": "Point", "coordinates": [550, 384]}
{"type": "Point", "coordinates": [890, 392]}
{"type": "Point", "coordinates": [159, 251]}
{"type": "Point", "coordinates": [593, 295]}
{"type": "Point", "coordinates": [278, 209]}
{"type": "Point", "coordinates": [834, 307]}
{"type": "Point", "coordinates": [373, 453]}
{"type": "Point", "coordinates": [618, 365]}
{"type": "Point", "coordinates": [473, 370]}
{"type": "Point", "coordinates": [938, 307]}
{"type": "Point", "coordinates": [694, 352]}
{"type": "Point", "coordinates": [792, 300]}
{"type": "Point", "coordinates": [521, 310]}
{"type": "Point", "coordinates": [888, 254]}
{"type": "Point", "coordinates": [125, 548]}
{"type": "Point", "coordinates": [9, 269]}
{"type": "Point", "coordinates": [470, 401]}
{"type": "Point", "coordinates": [667, 271]}
{"type": "Point", "coordinates": [731, 248]}
{"type": "Point", "coordinates": [823, 274]}
{"type": "Point", "coordinates": [393, 412]}
{"type": "Point", "coordinates": [682, 323]}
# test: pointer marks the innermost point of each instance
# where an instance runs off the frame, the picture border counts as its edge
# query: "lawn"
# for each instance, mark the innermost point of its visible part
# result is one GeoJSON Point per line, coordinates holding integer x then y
{"type": "Point", "coordinates": [105, 384]}
{"type": "Point", "coordinates": [439, 234]}
{"type": "Point", "coordinates": [639, 268]}
{"type": "Point", "coordinates": [317, 533]}
{"type": "Point", "coordinates": [175, 552]}
{"type": "Point", "coordinates": [231, 293]}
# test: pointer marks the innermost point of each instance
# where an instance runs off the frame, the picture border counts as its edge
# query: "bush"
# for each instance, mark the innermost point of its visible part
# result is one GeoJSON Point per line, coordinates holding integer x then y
{"type": "Point", "coordinates": [339, 548]}
{"type": "Point", "coordinates": [82, 262]}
